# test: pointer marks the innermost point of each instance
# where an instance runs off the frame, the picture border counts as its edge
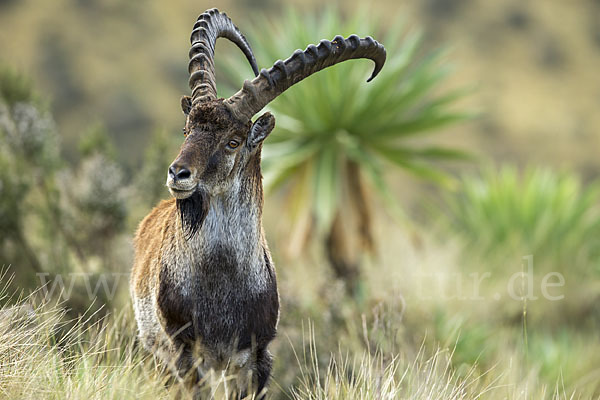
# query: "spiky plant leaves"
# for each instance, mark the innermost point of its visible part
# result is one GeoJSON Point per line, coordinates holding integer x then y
{"type": "Point", "coordinates": [504, 214]}
{"type": "Point", "coordinates": [334, 126]}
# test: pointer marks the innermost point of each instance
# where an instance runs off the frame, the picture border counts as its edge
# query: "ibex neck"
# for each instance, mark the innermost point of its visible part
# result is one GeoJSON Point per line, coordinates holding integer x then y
{"type": "Point", "coordinates": [231, 216]}
{"type": "Point", "coordinates": [230, 237]}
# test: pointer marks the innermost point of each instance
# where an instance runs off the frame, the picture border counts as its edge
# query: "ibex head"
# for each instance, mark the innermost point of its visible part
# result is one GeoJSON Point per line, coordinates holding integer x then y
{"type": "Point", "coordinates": [221, 140]}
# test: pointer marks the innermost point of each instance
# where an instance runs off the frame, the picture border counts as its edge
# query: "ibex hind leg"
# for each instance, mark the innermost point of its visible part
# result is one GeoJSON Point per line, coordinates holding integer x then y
{"type": "Point", "coordinates": [252, 378]}
{"type": "Point", "coordinates": [264, 363]}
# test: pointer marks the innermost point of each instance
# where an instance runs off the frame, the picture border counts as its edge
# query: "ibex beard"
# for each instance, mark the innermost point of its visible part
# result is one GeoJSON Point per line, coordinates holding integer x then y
{"type": "Point", "coordinates": [204, 287]}
{"type": "Point", "coordinates": [203, 282]}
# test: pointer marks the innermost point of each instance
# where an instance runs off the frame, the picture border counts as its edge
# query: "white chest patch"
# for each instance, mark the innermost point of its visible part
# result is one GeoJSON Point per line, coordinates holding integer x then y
{"type": "Point", "coordinates": [230, 234]}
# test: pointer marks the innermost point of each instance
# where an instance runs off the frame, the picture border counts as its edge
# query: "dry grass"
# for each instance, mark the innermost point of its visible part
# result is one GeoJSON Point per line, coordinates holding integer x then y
{"type": "Point", "coordinates": [384, 349]}
{"type": "Point", "coordinates": [103, 362]}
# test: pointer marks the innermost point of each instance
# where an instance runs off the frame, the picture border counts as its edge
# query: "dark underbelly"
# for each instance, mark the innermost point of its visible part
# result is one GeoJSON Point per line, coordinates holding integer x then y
{"type": "Point", "coordinates": [236, 319]}
{"type": "Point", "coordinates": [219, 312]}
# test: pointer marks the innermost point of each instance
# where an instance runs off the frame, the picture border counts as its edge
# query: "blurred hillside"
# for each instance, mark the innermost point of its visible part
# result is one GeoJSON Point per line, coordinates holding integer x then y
{"type": "Point", "coordinates": [533, 64]}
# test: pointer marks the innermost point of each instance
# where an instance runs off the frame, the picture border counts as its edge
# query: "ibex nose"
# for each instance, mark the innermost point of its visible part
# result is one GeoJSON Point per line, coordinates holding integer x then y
{"type": "Point", "coordinates": [179, 172]}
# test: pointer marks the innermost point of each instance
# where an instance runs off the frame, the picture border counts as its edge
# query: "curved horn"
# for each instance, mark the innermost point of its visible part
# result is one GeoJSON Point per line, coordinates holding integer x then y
{"type": "Point", "coordinates": [271, 83]}
{"type": "Point", "coordinates": [210, 26]}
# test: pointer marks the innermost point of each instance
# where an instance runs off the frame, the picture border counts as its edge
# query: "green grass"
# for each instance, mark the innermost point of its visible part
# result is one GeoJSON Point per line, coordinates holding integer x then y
{"type": "Point", "coordinates": [506, 214]}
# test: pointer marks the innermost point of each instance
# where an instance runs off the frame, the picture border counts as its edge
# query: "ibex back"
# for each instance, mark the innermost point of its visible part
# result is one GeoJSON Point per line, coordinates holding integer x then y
{"type": "Point", "coordinates": [203, 282]}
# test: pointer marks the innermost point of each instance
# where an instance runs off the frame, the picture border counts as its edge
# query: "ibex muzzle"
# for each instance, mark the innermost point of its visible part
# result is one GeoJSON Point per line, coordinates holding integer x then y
{"type": "Point", "coordinates": [203, 282]}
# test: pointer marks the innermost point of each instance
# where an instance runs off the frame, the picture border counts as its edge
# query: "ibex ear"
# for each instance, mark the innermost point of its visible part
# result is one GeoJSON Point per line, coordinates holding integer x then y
{"type": "Point", "coordinates": [261, 129]}
{"type": "Point", "coordinates": [186, 104]}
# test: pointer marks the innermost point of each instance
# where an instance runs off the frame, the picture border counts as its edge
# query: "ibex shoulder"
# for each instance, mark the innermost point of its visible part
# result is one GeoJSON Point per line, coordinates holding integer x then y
{"type": "Point", "coordinates": [148, 241]}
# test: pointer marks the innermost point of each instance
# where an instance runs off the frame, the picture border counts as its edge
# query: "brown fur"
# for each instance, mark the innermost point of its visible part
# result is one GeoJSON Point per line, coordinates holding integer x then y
{"type": "Point", "coordinates": [203, 282]}
{"type": "Point", "coordinates": [152, 231]}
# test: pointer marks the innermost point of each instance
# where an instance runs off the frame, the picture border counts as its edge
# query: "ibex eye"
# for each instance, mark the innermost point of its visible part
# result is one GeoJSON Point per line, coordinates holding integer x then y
{"type": "Point", "coordinates": [233, 144]}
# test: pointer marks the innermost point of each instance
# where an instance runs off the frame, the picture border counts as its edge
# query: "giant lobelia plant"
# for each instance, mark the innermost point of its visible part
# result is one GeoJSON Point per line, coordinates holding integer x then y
{"type": "Point", "coordinates": [336, 133]}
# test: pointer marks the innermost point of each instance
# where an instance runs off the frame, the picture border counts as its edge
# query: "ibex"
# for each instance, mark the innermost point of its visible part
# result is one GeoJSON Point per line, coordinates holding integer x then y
{"type": "Point", "coordinates": [203, 281]}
